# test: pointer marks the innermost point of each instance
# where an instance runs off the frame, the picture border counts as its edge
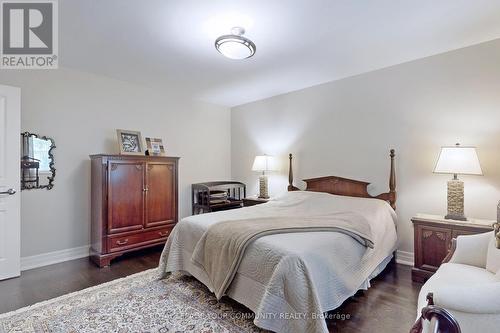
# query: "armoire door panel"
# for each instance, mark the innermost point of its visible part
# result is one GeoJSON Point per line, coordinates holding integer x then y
{"type": "Point", "coordinates": [160, 194]}
{"type": "Point", "coordinates": [125, 196]}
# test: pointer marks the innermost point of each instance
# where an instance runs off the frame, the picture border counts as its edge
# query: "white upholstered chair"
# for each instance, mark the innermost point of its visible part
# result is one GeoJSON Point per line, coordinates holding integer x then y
{"type": "Point", "coordinates": [464, 290]}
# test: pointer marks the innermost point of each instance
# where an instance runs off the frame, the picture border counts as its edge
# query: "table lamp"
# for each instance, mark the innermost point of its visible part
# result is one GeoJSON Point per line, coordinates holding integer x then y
{"type": "Point", "coordinates": [457, 160]}
{"type": "Point", "coordinates": [262, 164]}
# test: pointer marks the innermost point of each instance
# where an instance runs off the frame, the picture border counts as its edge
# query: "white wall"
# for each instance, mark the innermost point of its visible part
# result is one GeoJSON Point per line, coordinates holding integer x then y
{"type": "Point", "coordinates": [347, 127]}
{"type": "Point", "coordinates": [81, 112]}
{"type": "Point", "coordinates": [340, 128]}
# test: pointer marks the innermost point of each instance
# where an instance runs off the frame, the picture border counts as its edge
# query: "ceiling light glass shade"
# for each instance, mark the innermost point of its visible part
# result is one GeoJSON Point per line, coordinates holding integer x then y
{"type": "Point", "coordinates": [235, 46]}
{"type": "Point", "coordinates": [458, 160]}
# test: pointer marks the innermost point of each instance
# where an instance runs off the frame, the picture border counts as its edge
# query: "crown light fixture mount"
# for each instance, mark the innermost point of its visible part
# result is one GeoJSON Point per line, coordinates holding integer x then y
{"type": "Point", "coordinates": [235, 45]}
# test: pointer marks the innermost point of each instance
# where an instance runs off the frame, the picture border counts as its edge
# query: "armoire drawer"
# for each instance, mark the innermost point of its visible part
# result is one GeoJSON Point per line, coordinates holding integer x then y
{"type": "Point", "coordinates": [120, 243]}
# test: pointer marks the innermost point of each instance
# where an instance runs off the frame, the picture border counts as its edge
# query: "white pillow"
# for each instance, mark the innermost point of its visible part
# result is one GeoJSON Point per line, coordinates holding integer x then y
{"type": "Point", "coordinates": [493, 257]}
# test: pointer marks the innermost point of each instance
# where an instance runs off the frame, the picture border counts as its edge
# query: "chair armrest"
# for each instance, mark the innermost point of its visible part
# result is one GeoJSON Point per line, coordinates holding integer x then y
{"type": "Point", "coordinates": [472, 249]}
{"type": "Point", "coordinates": [477, 299]}
{"type": "Point", "coordinates": [439, 319]}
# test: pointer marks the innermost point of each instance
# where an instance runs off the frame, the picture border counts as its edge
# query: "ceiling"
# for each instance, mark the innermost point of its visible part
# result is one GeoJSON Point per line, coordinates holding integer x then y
{"type": "Point", "coordinates": [169, 45]}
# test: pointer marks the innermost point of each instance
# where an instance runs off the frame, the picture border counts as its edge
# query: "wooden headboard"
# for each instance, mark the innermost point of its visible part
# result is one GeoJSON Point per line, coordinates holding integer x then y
{"type": "Point", "coordinates": [345, 186]}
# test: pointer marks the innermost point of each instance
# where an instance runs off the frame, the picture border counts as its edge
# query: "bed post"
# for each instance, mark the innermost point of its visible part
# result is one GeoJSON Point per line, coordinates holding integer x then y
{"type": "Point", "coordinates": [290, 175]}
{"type": "Point", "coordinates": [392, 181]}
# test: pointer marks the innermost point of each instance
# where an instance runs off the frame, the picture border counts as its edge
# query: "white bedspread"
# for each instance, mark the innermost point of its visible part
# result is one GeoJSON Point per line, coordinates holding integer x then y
{"type": "Point", "coordinates": [289, 280]}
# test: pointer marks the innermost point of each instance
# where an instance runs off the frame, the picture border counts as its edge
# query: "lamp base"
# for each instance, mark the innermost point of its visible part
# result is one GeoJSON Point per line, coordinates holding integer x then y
{"type": "Point", "coordinates": [456, 200]}
{"type": "Point", "coordinates": [263, 193]}
{"type": "Point", "coordinates": [455, 217]}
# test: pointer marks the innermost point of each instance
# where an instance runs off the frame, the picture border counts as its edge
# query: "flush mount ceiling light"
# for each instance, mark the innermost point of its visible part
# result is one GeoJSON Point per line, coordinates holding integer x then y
{"type": "Point", "coordinates": [235, 46]}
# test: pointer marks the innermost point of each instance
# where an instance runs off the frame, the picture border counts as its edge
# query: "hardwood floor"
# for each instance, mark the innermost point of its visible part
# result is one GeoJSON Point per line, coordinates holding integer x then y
{"type": "Point", "coordinates": [47, 282]}
{"type": "Point", "coordinates": [388, 306]}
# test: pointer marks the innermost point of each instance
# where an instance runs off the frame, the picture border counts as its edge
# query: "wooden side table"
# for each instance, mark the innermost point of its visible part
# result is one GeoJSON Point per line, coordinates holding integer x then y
{"type": "Point", "coordinates": [252, 201]}
{"type": "Point", "coordinates": [432, 240]}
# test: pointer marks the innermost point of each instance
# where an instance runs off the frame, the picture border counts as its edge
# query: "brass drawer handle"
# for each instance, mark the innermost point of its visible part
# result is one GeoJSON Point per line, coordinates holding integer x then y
{"type": "Point", "coordinates": [163, 234]}
{"type": "Point", "coordinates": [122, 242]}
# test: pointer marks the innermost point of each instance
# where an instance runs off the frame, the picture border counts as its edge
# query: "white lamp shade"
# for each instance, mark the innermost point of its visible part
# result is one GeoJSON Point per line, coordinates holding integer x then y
{"type": "Point", "coordinates": [458, 160]}
{"type": "Point", "coordinates": [264, 163]}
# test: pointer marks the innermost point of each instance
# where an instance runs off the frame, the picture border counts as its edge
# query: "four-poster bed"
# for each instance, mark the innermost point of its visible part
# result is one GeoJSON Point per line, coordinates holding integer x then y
{"type": "Point", "coordinates": [339, 237]}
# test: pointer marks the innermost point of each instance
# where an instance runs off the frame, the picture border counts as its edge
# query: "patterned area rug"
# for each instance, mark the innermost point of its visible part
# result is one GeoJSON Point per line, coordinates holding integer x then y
{"type": "Point", "coordinates": [137, 303]}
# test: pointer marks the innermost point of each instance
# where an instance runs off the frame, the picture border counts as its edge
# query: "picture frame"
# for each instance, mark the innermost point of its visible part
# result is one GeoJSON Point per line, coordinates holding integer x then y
{"type": "Point", "coordinates": [155, 147]}
{"type": "Point", "coordinates": [130, 142]}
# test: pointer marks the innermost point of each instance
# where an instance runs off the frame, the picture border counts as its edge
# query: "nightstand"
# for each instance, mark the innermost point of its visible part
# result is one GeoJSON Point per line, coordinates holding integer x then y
{"type": "Point", "coordinates": [252, 201]}
{"type": "Point", "coordinates": [432, 240]}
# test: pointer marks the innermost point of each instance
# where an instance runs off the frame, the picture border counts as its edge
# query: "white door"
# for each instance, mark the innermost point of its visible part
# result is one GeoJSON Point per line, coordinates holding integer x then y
{"type": "Point", "coordinates": [10, 204]}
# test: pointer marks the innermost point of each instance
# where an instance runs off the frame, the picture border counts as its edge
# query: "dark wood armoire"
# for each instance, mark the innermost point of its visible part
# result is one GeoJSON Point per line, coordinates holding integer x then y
{"type": "Point", "coordinates": [134, 203]}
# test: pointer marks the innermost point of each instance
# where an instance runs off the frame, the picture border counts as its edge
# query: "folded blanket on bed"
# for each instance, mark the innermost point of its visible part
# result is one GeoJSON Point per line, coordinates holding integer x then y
{"type": "Point", "coordinates": [220, 250]}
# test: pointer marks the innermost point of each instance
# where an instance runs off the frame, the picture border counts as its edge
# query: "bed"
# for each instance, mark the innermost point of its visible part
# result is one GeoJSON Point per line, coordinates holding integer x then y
{"type": "Point", "coordinates": [289, 280]}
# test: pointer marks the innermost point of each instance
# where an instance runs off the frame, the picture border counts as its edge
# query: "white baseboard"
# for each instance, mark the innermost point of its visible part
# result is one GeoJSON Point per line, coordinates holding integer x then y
{"type": "Point", "coordinates": [55, 257]}
{"type": "Point", "coordinates": [50, 258]}
{"type": "Point", "coordinates": [404, 258]}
